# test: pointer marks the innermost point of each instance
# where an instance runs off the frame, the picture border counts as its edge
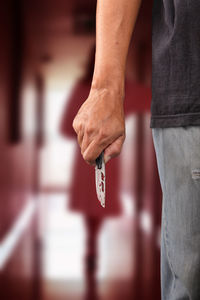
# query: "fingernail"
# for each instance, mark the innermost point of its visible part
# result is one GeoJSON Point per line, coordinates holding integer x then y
{"type": "Point", "coordinates": [107, 159]}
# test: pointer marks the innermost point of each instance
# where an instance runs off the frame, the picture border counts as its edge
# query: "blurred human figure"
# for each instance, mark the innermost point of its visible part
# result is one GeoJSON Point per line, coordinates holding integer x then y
{"type": "Point", "coordinates": [83, 197]}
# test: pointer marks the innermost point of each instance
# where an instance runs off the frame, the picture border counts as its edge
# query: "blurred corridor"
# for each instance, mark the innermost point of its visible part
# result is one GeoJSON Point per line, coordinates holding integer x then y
{"type": "Point", "coordinates": [56, 242]}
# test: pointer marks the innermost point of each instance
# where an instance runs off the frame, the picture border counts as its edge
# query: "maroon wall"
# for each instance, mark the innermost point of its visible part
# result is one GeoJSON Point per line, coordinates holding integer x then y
{"type": "Point", "coordinates": [15, 152]}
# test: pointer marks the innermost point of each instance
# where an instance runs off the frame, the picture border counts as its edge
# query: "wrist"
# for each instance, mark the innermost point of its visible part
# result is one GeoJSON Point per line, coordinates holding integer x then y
{"type": "Point", "coordinates": [112, 83]}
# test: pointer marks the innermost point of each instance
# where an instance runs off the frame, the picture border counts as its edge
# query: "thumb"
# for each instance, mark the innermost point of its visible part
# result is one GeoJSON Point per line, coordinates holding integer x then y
{"type": "Point", "coordinates": [113, 149]}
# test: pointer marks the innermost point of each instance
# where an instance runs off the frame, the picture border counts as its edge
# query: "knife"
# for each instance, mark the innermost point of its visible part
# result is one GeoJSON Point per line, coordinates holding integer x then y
{"type": "Point", "coordinates": [100, 178]}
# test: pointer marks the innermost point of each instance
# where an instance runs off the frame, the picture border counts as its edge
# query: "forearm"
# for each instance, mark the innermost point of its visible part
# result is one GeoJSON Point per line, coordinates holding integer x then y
{"type": "Point", "coordinates": [115, 21]}
{"type": "Point", "coordinates": [100, 123]}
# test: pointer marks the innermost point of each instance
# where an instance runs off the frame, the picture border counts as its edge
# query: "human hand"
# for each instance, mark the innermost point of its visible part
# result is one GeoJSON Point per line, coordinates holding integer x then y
{"type": "Point", "coordinates": [100, 125]}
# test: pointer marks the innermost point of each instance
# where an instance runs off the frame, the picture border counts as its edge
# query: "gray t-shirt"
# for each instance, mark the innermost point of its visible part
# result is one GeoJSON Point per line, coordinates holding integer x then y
{"type": "Point", "coordinates": [175, 63]}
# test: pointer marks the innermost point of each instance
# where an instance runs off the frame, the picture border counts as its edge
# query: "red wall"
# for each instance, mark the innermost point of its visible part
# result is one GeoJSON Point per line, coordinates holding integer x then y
{"type": "Point", "coordinates": [16, 154]}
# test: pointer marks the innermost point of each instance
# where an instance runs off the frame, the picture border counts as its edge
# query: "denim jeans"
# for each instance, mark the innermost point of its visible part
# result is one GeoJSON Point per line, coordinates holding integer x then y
{"type": "Point", "coordinates": [178, 159]}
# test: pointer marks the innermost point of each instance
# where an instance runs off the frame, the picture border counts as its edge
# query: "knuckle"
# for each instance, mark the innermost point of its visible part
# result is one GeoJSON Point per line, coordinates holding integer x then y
{"type": "Point", "coordinates": [103, 135]}
{"type": "Point", "coordinates": [89, 129]}
{"type": "Point", "coordinates": [77, 125]}
{"type": "Point", "coordinates": [87, 157]}
{"type": "Point", "coordinates": [74, 124]}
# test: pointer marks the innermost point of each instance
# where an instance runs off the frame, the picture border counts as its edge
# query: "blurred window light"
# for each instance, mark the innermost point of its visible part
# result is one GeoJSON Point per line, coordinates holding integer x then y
{"type": "Point", "coordinates": [146, 221]}
{"type": "Point", "coordinates": [28, 111]}
{"type": "Point", "coordinates": [64, 241]}
{"type": "Point", "coordinates": [57, 153]}
{"type": "Point", "coordinates": [128, 204]}
{"type": "Point", "coordinates": [7, 246]}
{"type": "Point", "coordinates": [60, 78]}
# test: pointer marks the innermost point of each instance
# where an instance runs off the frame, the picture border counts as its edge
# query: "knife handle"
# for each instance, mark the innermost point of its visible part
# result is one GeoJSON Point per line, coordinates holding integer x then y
{"type": "Point", "coordinates": [99, 160]}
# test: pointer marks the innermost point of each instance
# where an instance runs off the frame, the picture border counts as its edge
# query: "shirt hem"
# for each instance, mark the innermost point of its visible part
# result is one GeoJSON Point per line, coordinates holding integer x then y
{"type": "Point", "coordinates": [177, 120]}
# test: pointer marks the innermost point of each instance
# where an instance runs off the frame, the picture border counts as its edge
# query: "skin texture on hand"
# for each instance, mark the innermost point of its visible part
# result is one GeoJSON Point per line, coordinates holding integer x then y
{"type": "Point", "coordinates": [100, 125]}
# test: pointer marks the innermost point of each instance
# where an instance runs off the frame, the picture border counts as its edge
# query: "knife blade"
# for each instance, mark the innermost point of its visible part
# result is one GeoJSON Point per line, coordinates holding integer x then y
{"type": "Point", "coordinates": [100, 178]}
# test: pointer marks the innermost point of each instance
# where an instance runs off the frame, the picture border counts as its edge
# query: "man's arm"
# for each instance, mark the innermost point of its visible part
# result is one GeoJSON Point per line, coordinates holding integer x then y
{"type": "Point", "coordinates": [99, 123]}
